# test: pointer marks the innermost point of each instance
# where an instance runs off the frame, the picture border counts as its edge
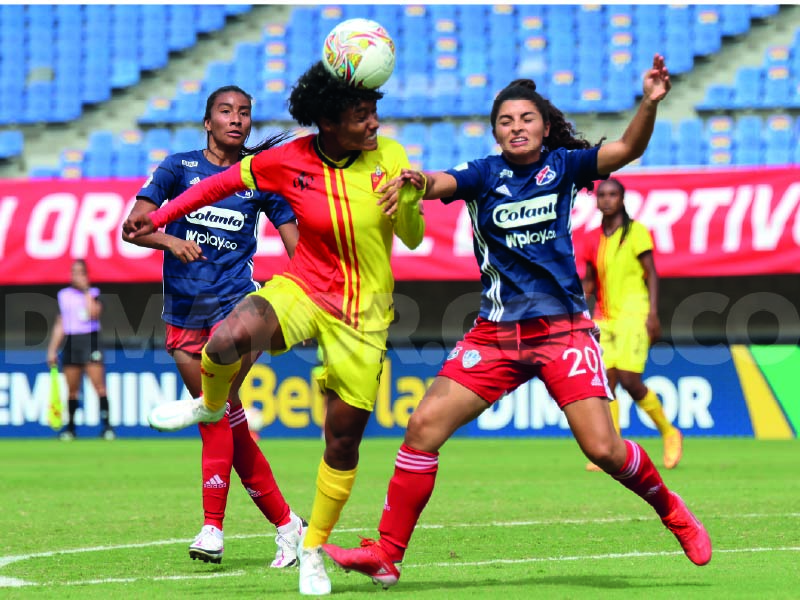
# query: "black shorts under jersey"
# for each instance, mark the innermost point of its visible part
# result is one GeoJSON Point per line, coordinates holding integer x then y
{"type": "Point", "coordinates": [81, 349]}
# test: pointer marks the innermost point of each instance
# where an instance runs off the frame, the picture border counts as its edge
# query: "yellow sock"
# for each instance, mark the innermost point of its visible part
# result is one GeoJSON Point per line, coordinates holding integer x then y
{"type": "Point", "coordinates": [652, 406]}
{"type": "Point", "coordinates": [614, 407]}
{"type": "Point", "coordinates": [217, 381]}
{"type": "Point", "coordinates": [333, 490]}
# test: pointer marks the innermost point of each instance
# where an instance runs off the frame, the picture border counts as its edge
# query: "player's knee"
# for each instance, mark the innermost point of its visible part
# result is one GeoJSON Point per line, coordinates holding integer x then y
{"type": "Point", "coordinates": [605, 453]}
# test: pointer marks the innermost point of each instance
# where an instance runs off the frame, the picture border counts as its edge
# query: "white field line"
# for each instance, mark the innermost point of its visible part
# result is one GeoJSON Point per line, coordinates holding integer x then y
{"type": "Point", "coordinates": [12, 582]}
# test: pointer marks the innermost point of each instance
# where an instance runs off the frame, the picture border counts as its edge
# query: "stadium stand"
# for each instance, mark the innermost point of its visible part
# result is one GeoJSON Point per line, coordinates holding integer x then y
{"type": "Point", "coordinates": [445, 77]}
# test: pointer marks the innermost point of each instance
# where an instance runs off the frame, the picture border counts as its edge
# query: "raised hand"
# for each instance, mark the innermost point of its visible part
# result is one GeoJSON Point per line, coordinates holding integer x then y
{"type": "Point", "coordinates": [656, 80]}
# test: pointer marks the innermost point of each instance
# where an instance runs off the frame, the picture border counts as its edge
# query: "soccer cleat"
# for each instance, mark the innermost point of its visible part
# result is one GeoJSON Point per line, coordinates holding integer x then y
{"type": "Point", "coordinates": [108, 434]}
{"type": "Point", "coordinates": [590, 466]}
{"type": "Point", "coordinates": [689, 531]}
{"type": "Point", "coordinates": [313, 578]}
{"type": "Point", "coordinates": [172, 416]}
{"type": "Point", "coordinates": [673, 448]}
{"type": "Point", "coordinates": [288, 545]}
{"type": "Point", "coordinates": [207, 546]}
{"type": "Point", "coordinates": [369, 559]}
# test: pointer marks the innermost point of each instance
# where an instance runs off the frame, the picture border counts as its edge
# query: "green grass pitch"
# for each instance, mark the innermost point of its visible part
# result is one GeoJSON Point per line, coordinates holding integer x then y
{"type": "Point", "coordinates": [508, 519]}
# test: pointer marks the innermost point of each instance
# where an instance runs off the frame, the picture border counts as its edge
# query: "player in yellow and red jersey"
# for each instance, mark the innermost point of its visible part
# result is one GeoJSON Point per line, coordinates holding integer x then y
{"type": "Point", "coordinates": [621, 272]}
{"type": "Point", "coordinates": [337, 289]}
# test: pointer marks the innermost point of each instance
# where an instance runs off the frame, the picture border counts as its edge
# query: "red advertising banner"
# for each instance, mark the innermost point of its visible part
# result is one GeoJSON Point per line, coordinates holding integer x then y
{"type": "Point", "coordinates": [704, 223]}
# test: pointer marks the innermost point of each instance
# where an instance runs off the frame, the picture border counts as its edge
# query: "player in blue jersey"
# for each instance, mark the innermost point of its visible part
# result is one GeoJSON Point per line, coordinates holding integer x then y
{"type": "Point", "coordinates": [533, 319]}
{"type": "Point", "coordinates": [208, 269]}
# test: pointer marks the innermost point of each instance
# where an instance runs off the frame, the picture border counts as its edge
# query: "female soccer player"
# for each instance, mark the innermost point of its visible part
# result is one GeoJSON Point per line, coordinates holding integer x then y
{"type": "Point", "coordinates": [621, 271]}
{"type": "Point", "coordinates": [208, 269]}
{"type": "Point", "coordinates": [77, 326]}
{"type": "Point", "coordinates": [533, 319]}
{"type": "Point", "coordinates": [337, 289]}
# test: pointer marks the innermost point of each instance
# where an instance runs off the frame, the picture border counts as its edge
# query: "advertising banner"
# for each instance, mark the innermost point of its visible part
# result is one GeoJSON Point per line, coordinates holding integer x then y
{"type": "Point", "coordinates": [706, 391]}
{"type": "Point", "coordinates": [710, 222]}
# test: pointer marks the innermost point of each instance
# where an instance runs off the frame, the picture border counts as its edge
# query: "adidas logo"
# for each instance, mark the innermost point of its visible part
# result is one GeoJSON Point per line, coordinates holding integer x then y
{"type": "Point", "coordinates": [193, 181]}
{"type": "Point", "coordinates": [253, 493]}
{"type": "Point", "coordinates": [503, 190]}
{"type": "Point", "coordinates": [215, 482]}
{"type": "Point", "coordinates": [596, 381]}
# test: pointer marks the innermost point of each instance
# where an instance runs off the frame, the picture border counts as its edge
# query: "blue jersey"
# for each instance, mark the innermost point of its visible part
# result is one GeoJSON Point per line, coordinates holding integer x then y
{"type": "Point", "coordinates": [203, 292]}
{"type": "Point", "coordinates": [522, 231]}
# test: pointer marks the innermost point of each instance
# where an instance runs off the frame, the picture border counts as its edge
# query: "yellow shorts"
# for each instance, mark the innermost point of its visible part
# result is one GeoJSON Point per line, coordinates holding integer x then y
{"type": "Point", "coordinates": [352, 360]}
{"type": "Point", "coordinates": [625, 344]}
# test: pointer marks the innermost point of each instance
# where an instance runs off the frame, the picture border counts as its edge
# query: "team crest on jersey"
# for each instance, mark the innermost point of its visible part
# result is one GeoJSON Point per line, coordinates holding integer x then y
{"type": "Point", "coordinates": [454, 353]}
{"type": "Point", "coordinates": [377, 178]}
{"type": "Point", "coordinates": [470, 358]}
{"type": "Point", "coordinates": [545, 176]}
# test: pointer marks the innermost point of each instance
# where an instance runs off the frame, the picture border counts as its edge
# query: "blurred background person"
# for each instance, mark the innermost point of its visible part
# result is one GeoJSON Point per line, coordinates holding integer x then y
{"type": "Point", "coordinates": [621, 273]}
{"type": "Point", "coordinates": [77, 327]}
{"type": "Point", "coordinates": [207, 270]}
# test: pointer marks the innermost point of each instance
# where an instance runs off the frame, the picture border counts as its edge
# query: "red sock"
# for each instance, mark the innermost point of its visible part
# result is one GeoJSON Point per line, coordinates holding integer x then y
{"type": "Point", "coordinates": [410, 489]}
{"type": "Point", "coordinates": [640, 476]}
{"type": "Point", "coordinates": [217, 458]}
{"type": "Point", "coordinates": [255, 472]}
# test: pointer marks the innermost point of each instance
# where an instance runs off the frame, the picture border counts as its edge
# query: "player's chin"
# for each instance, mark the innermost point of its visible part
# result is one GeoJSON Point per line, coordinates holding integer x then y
{"type": "Point", "coordinates": [370, 143]}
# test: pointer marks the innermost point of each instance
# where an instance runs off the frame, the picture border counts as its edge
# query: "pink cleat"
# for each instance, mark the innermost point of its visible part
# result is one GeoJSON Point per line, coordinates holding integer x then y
{"type": "Point", "coordinates": [369, 559]}
{"type": "Point", "coordinates": [689, 531]}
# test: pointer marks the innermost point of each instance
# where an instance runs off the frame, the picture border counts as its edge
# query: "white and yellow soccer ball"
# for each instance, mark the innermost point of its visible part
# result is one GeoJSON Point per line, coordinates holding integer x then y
{"type": "Point", "coordinates": [359, 52]}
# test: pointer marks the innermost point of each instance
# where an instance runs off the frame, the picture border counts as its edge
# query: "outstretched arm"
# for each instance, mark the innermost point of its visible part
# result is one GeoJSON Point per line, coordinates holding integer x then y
{"type": "Point", "coordinates": [208, 191]}
{"type": "Point", "coordinates": [633, 143]}
{"type": "Point", "coordinates": [184, 250]}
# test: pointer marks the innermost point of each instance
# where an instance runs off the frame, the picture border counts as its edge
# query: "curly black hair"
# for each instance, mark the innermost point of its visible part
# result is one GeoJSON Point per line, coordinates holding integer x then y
{"type": "Point", "coordinates": [562, 132]}
{"type": "Point", "coordinates": [320, 95]}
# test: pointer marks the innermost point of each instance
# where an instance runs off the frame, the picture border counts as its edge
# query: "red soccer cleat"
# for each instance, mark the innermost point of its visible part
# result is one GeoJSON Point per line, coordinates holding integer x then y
{"type": "Point", "coordinates": [689, 531]}
{"type": "Point", "coordinates": [369, 559]}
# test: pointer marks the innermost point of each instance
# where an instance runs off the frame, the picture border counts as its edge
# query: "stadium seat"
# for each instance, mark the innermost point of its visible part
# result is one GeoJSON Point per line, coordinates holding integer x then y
{"type": "Point", "coordinates": [777, 88]}
{"type": "Point", "coordinates": [185, 139]}
{"type": "Point", "coordinates": [210, 17]}
{"type": "Point", "coordinates": [706, 31]}
{"type": "Point", "coordinates": [735, 19]}
{"type": "Point", "coordinates": [181, 28]}
{"type": "Point", "coordinates": [12, 143]}
{"type": "Point", "coordinates": [718, 97]}
{"type": "Point", "coordinates": [660, 151]}
{"type": "Point", "coordinates": [748, 88]}
{"type": "Point", "coordinates": [763, 11]}
{"type": "Point", "coordinates": [690, 148]}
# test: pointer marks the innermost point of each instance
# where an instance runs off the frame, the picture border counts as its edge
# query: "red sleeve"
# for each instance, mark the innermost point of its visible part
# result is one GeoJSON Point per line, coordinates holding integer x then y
{"type": "Point", "coordinates": [209, 190]}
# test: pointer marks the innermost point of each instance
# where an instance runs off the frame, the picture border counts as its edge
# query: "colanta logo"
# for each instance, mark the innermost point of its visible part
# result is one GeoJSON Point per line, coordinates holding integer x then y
{"type": "Point", "coordinates": [526, 212]}
{"type": "Point", "coordinates": [218, 218]}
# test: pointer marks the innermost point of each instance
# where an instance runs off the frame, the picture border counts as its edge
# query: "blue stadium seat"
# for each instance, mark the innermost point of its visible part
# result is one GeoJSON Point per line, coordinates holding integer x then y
{"type": "Point", "coordinates": [779, 140]}
{"type": "Point", "coordinates": [777, 88]}
{"type": "Point", "coordinates": [747, 130]}
{"type": "Point", "coordinates": [12, 143]}
{"type": "Point", "coordinates": [445, 91]}
{"type": "Point", "coordinates": [210, 17]}
{"type": "Point", "coordinates": [718, 97]}
{"type": "Point", "coordinates": [475, 96]}
{"type": "Point", "coordinates": [158, 111]}
{"type": "Point", "coordinates": [238, 9]}
{"type": "Point", "coordinates": [472, 19]}
{"type": "Point", "coordinates": [735, 19]}
{"type": "Point", "coordinates": [416, 96]}
{"type": "Point", "coordinates": [472, 140]}
{"type": "Point", "coordinates": [185, 139]}
{"type": "Point", "coordinates": [189, 103]}
{"type": "Point", "coordinates": [763, 11]}
{"type": "Point", "coordinates": [678, 53]}
{"type": "Point", "coordinates": [660, 151]}
{"type": "Point", "coordinates": [414, 24]}
{"type": "Point", "coordinates": [748, 88]}
{"type": "Point", "coordinates": [181, 27]}
{"type": "Point", "coordinates": [157, 137]}
{"type": "Point", "coordinates": [326, 18]}
{"type": "Point", "coordinates": [690, 147]}
{"type": "Point", "coordinates": [706, 30]}
{"type": "Point", "coordinates": [38, 102]}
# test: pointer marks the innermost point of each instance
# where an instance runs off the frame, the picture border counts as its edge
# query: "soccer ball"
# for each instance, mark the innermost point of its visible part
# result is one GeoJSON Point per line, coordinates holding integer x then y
{"type": "Point", "coordinates": [255, 419]}
{"type": "Point", "coordinates": [359, 52]}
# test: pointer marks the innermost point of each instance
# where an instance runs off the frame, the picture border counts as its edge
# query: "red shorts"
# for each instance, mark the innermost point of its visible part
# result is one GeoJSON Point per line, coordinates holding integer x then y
{"type": "Point", "coordinates": [188, 340]}
{"type": "Point", "coordinates": [494, 359]}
